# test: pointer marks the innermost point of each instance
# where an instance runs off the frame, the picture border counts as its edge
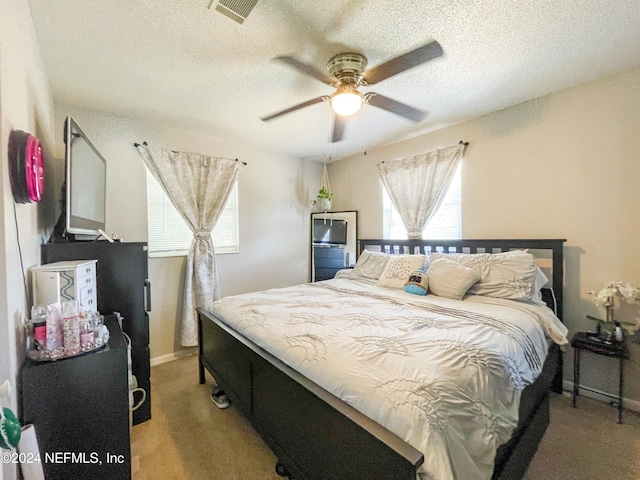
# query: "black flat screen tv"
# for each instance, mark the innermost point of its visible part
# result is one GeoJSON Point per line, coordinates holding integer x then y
{"type": "Point", "coordinates": [85, 182]}
{"type": "Point", "coordinates": [329, 231]}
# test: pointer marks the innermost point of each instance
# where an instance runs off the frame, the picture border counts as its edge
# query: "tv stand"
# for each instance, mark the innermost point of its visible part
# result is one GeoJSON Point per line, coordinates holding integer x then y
{"type": "Point", "coordinates": [71, 238]}
{"type": "Point", "coordinates": [106, 236]}
{"type": "Point", "coordinates": [60, 233]}
{"type": "Point", "coordinates": [67, 237]}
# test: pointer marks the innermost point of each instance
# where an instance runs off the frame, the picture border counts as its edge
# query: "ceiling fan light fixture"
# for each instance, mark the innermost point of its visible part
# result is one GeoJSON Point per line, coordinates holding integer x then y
{"type": "Point", "coordinates": [346, 101]}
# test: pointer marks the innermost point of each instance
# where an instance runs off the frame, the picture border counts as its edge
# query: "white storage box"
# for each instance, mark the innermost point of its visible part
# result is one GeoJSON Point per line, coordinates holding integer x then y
{"type": "Point", "coordinates": [63, 281]}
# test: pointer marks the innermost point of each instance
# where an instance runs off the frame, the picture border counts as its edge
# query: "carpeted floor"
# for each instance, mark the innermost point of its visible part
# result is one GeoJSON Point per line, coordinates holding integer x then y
{"type": "Point", "coordinates": [587, 443]}
{"type": "Point", "coordinates": [189, 438]}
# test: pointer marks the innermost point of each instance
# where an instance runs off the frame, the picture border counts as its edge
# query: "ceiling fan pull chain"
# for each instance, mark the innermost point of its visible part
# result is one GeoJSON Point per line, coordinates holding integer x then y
{"type": "Point", "coordinates": [331, 121]}
{"type": "Point", "coordinates": [364, 122]}
{"type": "Point", "coordinates": [325, 174]}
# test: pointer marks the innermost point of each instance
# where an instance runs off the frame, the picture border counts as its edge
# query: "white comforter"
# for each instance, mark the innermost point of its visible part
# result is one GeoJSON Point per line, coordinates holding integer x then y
{"type": "Point", "coordinates": [444, 375]}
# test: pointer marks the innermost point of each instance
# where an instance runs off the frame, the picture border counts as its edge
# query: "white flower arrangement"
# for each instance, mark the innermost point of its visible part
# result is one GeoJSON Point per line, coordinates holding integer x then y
{"type": "Point", "coordinates": [610, 297]}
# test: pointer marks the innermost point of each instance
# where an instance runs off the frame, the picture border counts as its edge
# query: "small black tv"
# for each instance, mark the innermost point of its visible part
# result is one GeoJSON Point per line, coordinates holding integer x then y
{"type": "Point", "coordinates": [86, 177]}
{"type": "Point", "coordinates": [329, 231]}
{"type": "Point", "coordinates": [84, 189]}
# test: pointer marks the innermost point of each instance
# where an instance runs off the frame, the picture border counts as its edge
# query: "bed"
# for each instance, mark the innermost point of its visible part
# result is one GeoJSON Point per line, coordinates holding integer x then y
{"type": "Point", "coordinates": [321, 426]}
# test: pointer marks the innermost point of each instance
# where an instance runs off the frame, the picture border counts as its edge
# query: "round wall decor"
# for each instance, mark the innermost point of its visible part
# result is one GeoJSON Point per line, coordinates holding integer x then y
{"type": "Point", "coordinates": [26, 167]}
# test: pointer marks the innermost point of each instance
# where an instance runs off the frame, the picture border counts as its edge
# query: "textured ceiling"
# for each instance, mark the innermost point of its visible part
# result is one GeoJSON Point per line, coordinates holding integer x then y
{"type": "Point", "coordinates": [180, 62]}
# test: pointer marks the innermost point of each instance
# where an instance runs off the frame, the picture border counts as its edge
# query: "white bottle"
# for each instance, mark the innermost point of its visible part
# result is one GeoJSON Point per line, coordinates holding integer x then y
{"type": "Point", "coordinates": [619, 334]}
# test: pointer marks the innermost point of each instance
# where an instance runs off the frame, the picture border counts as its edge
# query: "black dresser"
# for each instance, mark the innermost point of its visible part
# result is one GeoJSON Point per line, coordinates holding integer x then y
{"type": "Point", "coordinates": [327, 261]}
{"type": "Point", "coordinates": [79, 407]}
{"type": "Point", "coordinates": [123, 287]}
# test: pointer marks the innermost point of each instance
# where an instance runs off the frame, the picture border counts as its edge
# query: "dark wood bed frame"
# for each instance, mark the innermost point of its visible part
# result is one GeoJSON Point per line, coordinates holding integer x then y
{"type": "Point", "coordinates": [317, 436]}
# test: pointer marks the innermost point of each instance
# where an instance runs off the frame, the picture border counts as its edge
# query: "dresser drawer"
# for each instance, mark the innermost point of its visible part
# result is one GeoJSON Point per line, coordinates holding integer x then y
{"type": "Point", "coordinates": [320, 253]}
{"type": "Point", "coordinates": [326, 273]}
{"type": "Point", "coordinates": [329, 263]}
{"type": "Point", "coordinates": [86, 274]}
{"type": "Point", "coordinates": [88, 299]}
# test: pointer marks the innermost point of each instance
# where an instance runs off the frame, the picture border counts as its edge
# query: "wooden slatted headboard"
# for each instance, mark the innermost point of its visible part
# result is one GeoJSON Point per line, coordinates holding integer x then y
{"type": "Point", "coordinates": [552, 247]}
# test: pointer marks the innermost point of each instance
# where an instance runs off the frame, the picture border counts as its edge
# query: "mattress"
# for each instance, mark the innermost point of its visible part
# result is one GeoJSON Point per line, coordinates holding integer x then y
{"type": "Point", "coordinates": [444, 375]}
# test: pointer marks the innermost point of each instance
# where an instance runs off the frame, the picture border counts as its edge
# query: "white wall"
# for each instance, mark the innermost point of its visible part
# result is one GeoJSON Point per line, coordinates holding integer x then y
{"type": "Point", "coordinates": [563, 166]}
{"type": "Point", "coordinates": [25, 104]}
{"type": "Point", "coordinates": [273, 209]}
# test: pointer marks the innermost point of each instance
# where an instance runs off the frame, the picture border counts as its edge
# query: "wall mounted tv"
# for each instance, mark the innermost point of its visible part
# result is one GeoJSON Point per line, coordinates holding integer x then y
{"type": "Point", "coordinates": [329, 232]}
{"type": "Point", "coordinates": [84, 189]}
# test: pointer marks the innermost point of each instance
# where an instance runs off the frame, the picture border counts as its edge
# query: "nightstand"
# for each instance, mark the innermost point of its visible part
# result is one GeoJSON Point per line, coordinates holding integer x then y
{"type": "Point", "coordinates": [592, 343]}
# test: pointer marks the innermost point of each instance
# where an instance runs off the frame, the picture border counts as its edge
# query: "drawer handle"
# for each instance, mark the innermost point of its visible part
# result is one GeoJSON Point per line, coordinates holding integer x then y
{"type": "Point", "coordinates": [147, 286]}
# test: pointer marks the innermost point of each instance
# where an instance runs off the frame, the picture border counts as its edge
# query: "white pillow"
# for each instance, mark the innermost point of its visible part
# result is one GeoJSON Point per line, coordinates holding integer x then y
{"type": "Point", "coordinates": [539, 282]}
{"type": "Point", "coordinates": [398, 269]}
{"type": "Point", "coordinates": [502, 275]}
{"type": "Point", "coordinates": [344, 273]}
{"type": "Point", "coordinates": [450, 279]}
{"type": "Point", "coordinates": [370, 265]}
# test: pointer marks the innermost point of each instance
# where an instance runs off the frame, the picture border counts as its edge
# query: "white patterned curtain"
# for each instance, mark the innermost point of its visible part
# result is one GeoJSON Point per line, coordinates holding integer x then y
{"type": "Point", "coordinates": [198, 186]}
{"type": "Point", "coordinates": [417, 185]}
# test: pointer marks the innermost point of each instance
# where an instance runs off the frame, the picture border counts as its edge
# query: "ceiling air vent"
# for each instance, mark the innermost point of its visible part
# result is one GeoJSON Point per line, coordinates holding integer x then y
{"type": "Point", "coordinates": [237, 10]}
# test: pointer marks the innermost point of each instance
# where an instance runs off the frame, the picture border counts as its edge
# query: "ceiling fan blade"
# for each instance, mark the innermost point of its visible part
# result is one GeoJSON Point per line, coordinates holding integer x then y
{"type": "Point", "coordinates": [338, 128]}
{"type": "Point", "coordinates": [404, 62]}
{"type": "Point", "coordinates": [396, 107]}
{"type": "Point", "coordinates": [294, 108]}
{"type": "Point", "coordinates": [307, 69]}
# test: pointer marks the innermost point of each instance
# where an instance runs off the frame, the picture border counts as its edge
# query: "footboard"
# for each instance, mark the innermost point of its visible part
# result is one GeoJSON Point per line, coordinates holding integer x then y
{"type": "Point", "coordinates": [314, 434]}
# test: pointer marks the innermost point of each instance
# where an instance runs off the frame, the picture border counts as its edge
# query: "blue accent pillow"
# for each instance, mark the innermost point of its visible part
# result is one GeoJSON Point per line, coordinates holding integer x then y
{"type": "Point", "coordinates": [417, 283]}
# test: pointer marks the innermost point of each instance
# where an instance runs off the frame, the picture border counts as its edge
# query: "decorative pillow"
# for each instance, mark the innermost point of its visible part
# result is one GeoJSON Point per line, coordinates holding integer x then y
{"type": "Point", "coordinates": [502, 275]}
{"type": "Point", "coordinates": [344, 273]}
{"type": "Point", "coordinates": [539, 282]}
{"type": "Point", "coordinates": [370, 265]}
{"type": "Point", "coordinates": [398, 268]}
{"type": "Point", "coordinates": [418, 283]}
{"type": "Point", "coordinates": [450, 279]}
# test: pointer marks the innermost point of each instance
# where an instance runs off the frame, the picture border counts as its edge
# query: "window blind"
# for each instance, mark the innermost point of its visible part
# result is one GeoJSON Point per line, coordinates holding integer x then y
{"type": "Point", "coordinates": [168, 232]}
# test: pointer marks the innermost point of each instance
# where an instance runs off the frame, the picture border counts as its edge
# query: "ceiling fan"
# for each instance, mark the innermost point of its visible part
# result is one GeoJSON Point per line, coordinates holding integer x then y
{"type": "Point", "coordinates": [346, 73]}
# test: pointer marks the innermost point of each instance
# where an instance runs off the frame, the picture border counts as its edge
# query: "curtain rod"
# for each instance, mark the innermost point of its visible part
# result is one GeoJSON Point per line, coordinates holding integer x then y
{"type": "Point", "coordinates": [136, 144]}
{"type": "Point", "coordinates": [466, 144]}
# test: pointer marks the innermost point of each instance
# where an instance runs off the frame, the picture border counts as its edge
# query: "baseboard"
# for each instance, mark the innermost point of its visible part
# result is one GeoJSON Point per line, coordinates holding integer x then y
{"type": "Point", "coordinates": [627, 403]}
{"type": "Point", "coordinates": [170, 357]}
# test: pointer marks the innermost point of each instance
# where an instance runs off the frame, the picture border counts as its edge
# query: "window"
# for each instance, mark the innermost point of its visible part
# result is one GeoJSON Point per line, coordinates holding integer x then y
{"type": "Point", "coordinates": [445, 224]}
{"type": "Point", "coordinates": [169, 234]}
